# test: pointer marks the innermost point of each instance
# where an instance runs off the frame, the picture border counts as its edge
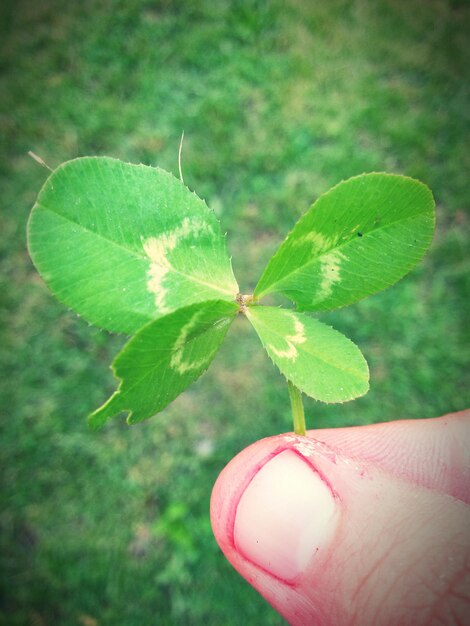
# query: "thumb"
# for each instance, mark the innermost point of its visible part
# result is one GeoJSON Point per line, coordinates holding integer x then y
{"type": "Point", "coordinates": [364, 525]}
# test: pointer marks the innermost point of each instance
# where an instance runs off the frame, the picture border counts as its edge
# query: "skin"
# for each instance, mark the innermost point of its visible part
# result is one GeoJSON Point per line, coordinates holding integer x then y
{"type": "Point", "coordinates": [398, 550]}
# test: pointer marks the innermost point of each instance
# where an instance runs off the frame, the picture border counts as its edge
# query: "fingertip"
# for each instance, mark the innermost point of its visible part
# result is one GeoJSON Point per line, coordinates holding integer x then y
{"type": "Point", "coordinates": [285, 515]}
{"type": "Point", "coordinates": [305, 549]}
{"type": "Point", "coordinates": [273, 512]}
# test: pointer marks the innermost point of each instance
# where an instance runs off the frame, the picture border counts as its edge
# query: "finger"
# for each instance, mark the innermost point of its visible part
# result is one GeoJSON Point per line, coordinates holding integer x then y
{"type": "Point", "coordinates": [433, 453]}
{"type": "Point", "coordinates": [329, 538]}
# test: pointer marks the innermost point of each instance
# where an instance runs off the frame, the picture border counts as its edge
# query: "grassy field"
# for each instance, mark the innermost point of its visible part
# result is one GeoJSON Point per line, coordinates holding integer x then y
{"type": "Point", "coordinates": [278, 101]}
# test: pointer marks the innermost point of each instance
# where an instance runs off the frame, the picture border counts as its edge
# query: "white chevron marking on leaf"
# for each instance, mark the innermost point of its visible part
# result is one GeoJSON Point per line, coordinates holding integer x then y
{"type": "Point", "coordinates": [292, 340]}
{"type": "Point", "coordinates": [318, 241]}
{"type": "Point", "coordinates": [330, 273]}
{"type": "Point", "coordinates": [157, 250]}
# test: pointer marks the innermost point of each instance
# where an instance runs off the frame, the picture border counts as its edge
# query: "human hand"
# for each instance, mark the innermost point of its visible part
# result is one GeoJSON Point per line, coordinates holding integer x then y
{"type": "Point", "coordinates": [367, 525]}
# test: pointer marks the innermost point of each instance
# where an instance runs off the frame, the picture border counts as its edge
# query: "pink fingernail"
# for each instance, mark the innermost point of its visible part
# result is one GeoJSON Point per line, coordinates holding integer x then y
{"type": "Point", "coordinates": [285, 516]}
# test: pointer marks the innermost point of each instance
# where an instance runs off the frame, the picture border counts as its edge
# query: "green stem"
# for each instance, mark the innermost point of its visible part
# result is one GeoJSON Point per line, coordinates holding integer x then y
{"type": "Point", "coordinates": [298, 415]}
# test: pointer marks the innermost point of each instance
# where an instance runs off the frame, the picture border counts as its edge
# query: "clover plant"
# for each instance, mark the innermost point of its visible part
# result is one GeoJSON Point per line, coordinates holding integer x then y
{"type": "Point", "coordinates": [132, 250]}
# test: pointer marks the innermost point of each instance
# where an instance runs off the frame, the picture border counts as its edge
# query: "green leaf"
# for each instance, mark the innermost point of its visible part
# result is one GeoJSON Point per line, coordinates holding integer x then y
{"type": "Point", "coordinates": [359, 238]}
{"type": "Point", "coordinates": [124, 244]}
{"type": "Point", "coordinates": [316, 358]}
{"type": "Point", "coordinates": [163, 358]}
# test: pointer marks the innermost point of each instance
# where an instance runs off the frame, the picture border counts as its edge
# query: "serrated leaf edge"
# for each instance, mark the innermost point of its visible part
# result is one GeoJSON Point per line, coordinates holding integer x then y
{"type": "Point", "coordinates": [432, 216]}
{"type": "Point", "coordinates": [131, 251]}
{"type": "Point", "coordinates": [116, 393]}
{"type": "Point", "coordinates": [348, 399]}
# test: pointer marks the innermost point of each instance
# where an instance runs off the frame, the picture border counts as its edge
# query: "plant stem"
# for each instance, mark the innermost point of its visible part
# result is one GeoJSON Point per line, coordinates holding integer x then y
{"type": "Point", "coordinates": [298, 415]}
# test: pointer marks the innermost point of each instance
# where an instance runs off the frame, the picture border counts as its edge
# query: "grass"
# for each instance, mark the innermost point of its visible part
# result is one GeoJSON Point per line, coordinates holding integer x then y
{"type": "Point", "coordinates": [278, 102]}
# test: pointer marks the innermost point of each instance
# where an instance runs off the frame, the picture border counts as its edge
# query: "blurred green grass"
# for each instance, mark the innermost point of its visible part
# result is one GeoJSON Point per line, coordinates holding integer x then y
{"type": "Point", "coordinates": [278, 101]}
